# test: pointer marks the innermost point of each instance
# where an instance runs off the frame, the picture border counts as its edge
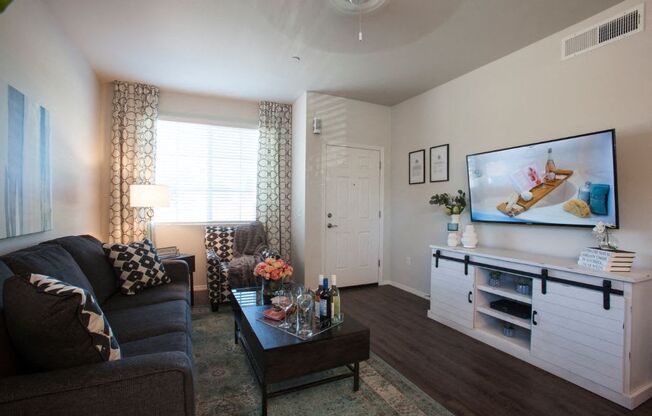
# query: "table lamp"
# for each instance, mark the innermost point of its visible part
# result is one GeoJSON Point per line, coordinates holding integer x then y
{"type": "Point", "coordinates": [149, 196]}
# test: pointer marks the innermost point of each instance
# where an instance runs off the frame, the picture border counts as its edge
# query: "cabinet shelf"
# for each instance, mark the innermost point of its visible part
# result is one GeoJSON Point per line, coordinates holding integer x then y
{"type": "Point", "coordinates": [506, 293]}
{"type": "Point", "coordinates": [523, 323]}
{"type": "Point", "coordinates": [520, 339]}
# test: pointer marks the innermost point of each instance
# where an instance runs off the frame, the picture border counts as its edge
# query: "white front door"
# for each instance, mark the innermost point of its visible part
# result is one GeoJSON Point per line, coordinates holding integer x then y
{"type": "Point", "coordinates": [352, 215]}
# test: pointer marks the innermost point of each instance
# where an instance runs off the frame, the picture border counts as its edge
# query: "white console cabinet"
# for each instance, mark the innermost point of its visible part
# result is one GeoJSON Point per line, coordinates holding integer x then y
{"type": "Point", "coordinates": [591, 328]}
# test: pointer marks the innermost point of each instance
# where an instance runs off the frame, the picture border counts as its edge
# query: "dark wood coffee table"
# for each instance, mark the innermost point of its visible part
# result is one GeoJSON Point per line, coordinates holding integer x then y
{"type": "Point", "coordinates": [276, 356]}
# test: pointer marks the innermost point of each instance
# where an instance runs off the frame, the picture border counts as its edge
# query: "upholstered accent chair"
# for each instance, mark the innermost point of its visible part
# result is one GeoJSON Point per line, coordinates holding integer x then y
{"type": "Point", "coordinates": [221, 250]}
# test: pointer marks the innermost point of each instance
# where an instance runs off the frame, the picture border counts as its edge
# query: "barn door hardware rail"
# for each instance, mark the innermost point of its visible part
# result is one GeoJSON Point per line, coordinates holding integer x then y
{"type": "Point", "coordinates": [545, 277]}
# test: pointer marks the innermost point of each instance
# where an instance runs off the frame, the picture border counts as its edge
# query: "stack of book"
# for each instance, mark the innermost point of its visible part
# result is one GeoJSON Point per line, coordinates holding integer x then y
{"type": "Point", "coordinates": [607, 260]}
{"type": "Point", "coordinates": [166, 252]}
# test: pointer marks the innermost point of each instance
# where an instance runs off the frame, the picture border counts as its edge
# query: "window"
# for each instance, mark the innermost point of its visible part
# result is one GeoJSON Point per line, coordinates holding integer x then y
{"type": "Point", "coordinates": [211, 171]}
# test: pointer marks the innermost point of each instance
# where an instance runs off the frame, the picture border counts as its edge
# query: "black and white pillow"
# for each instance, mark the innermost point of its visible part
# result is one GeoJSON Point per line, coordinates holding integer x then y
{"type": "Point", "coordinates": [56, 325]}
{"type": "Point", "coordinates": [221, 240]}
{"type": "Point", "coordinates": [137, 266]}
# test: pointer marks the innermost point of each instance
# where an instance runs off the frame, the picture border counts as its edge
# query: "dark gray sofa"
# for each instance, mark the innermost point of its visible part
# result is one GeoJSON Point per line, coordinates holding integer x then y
{"type": "Point", "coordinates": [154, 375]}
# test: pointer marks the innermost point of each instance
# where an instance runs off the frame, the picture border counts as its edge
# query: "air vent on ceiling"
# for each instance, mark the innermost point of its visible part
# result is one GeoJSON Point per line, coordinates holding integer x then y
{"type": "Point", "coordinates": [624, 24]}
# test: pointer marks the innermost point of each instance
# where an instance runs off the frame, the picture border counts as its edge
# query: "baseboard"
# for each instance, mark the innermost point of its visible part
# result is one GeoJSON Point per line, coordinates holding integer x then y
{"type": "Point", "coordinates": [405, 288]}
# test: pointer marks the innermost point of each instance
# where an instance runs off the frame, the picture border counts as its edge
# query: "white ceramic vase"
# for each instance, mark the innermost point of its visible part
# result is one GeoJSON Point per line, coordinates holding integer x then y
{"type": "Point", "coordinates": [470, 237]}
{"type": "Point", "coordinates": [453, 231]}
{"type": "Point", "coordinates": [453, 240]}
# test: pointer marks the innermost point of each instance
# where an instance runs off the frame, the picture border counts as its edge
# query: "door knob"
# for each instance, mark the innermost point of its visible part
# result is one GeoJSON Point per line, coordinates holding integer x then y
{"type": "Point", "coordinates": [331, 225]}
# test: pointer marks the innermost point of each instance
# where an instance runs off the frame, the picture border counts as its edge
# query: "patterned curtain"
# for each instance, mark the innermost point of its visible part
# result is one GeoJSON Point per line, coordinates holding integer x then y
{"type": "Point", "coordinates": [135, 111]}
{"type": "Point", "coordinates": [275, 174]}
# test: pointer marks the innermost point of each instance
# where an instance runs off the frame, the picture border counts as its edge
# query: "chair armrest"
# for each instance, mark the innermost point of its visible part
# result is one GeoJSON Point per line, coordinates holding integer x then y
{"type": "Point", "coordinates": [160, 383]}
{"type": "Point", "coordinates": [177, 270]}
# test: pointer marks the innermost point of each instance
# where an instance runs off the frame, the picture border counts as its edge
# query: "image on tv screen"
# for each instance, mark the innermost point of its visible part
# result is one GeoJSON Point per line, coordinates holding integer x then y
{"type": "Point", "coordinates": [563, 182]}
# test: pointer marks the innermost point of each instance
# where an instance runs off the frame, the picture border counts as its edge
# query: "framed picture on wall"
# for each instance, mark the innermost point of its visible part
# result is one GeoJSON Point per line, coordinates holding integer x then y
{"type": "Point", "coordinates": [417, 162]}
{"type": "Point", "coordinates": [439, 163]}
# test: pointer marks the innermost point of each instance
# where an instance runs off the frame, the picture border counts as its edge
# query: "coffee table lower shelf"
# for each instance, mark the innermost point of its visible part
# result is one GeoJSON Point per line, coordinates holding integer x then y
{"type": "Point", "coordinates": [275, 356]}
{"type": "Point", "coordinates": [354, 371]}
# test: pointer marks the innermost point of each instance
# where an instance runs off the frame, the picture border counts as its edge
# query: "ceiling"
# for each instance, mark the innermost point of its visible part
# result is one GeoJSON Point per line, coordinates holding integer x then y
{"type": "Point", "coordinates": [244, 48]}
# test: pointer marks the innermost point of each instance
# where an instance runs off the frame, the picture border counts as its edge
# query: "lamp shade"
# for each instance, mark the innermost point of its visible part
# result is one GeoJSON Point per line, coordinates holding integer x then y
{"type": "Point", "coordinates": [149, 196]}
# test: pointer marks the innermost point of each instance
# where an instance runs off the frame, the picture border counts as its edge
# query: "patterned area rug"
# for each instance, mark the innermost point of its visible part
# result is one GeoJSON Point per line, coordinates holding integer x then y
{"type": "Point", "coordinates": [225, 384]}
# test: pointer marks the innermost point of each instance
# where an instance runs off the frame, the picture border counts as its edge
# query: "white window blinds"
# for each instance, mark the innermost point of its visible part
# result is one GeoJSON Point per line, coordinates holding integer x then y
{"type": "Point", "coordinates": [211, 171]}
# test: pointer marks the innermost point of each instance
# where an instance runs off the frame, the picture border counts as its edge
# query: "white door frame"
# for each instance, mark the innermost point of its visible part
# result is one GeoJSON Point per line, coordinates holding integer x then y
{"type": "Point", "coordinates": [381, 223]}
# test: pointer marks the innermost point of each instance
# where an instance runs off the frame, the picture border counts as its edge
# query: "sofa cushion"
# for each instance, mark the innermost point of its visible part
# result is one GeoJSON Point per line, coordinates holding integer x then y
{"type": "Point", "coordinates": [89, 255]}
{"type": "Point", "coordinates": [54, 325]}
{"type": "Point", "coordinates": [145, 321]}
{"type": "Point", "coordinates": [49, 260]}
{"type": "Point", "coordinates": [156, 294]}
{"type": "Point", "coordinates": [172, 341]}
{"type": "Point", "coordinates": [137, 266]}
{"type": "Point", "coordinates": [9, 362]}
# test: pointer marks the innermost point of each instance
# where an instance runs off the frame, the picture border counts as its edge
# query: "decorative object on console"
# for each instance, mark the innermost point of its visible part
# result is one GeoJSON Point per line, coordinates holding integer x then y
{"type": "Point", "coordinates": [454, 206]}
{"type": "Point", "coordinates": [601, 232]}
{"type": "Point", "coordinates": [470, 237]}
{"type": "Point", "coordinates": [55, 325]}
{"type": "Point", "coordinates": [453, 239]}
{"type": "Point", "coordinates": [136, 265]}
{"type": "Point", "coordinates": [522, 285]}
{"type": "Point", "coordinates": [149, 197]}
{"type": "Point", "coordinates": [607, 260]}
{"type": "Point", "coordinates": [416, 167]}
{"type": "Point", "coordinates": [508, 329]}
{"type": "Point", "coordinates": [439, 163]}
{"type": "Point", "coordinates": [26, 195]}
{"type": "Point", "coordinates": [494, 278]}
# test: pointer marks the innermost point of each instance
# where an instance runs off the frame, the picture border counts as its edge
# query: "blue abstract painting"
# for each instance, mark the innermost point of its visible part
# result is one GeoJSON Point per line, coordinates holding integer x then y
{"type": "Point", "coordinates": [25, 190]}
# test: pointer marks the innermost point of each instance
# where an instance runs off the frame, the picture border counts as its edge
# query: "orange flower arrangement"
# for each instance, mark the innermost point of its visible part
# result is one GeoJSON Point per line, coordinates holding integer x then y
{"type": "Point", "coordinates": [273, 269]}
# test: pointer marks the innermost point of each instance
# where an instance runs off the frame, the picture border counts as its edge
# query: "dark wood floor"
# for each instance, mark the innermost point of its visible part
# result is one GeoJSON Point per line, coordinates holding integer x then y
{"type": "Point", "coordinates": [465, 375]}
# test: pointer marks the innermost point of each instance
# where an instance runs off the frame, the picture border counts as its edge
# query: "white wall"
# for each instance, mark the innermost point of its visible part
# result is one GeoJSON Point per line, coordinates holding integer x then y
{"type": "Point", "coordinates": [530, 95]}
{"type": "Point", "coordinates": [344, 121]}
{"type": "Point", "coordinates": [298, 228]}
{"type": "Point", "coordinates": [189, 238]}
{"type": "Point", "coordinates": [38, 59]}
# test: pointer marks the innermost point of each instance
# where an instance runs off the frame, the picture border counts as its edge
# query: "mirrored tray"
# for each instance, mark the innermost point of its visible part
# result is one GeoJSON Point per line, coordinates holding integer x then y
{"type": "Point", "coordinates": [316, 325]}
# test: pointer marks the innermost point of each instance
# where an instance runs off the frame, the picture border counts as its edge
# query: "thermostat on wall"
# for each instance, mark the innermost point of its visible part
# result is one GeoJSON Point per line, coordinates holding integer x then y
{"type": "Point", "coordinates": [316, 125]}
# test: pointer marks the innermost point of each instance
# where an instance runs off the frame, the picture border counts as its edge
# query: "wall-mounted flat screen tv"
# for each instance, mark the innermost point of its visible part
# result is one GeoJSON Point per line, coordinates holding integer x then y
{"type": "Point", "coordinates": [569, 181]}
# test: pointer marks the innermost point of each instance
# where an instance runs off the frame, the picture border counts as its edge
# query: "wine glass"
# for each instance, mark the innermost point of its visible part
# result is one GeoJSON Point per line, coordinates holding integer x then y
{"type": "Point", "coordinates": [285, 302]}
{"type": "Point", "coordinates": [305, 304]}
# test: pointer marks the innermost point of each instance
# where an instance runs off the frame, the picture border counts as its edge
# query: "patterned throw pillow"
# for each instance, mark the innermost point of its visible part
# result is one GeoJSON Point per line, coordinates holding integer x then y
{"type": "Point", "coordinates": [55, 325]}
{"type": "Point", "coordinates": [220, 240]}
{"type": "Point", "coordinates": [137, 266]}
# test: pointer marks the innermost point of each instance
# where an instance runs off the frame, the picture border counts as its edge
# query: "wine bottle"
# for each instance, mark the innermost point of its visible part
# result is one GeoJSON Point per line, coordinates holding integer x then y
{"type": "Point", "coordinates": [335, 296]}
{"type": "Point", "coordinates": [325, 310]}
{"type": "Point", "coordinates": [320, 288]}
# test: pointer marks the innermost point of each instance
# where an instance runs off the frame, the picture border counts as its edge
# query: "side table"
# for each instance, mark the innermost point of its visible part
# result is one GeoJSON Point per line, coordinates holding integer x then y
{"type": "Point", "coordinates": [190, 261]}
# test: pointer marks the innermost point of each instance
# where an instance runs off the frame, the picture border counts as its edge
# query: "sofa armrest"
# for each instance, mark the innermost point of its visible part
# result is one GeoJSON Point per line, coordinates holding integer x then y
{"type": "Point", "coordinates": [153, 384]}
{"type": "Point", "coordinates": [177, 270]}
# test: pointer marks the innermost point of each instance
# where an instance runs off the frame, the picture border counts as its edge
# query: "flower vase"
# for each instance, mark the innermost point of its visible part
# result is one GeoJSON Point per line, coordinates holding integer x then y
{"type": "Point", "coordinates": [453, 229]}
{"type": "Point", "coordinates": [270, 287]}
